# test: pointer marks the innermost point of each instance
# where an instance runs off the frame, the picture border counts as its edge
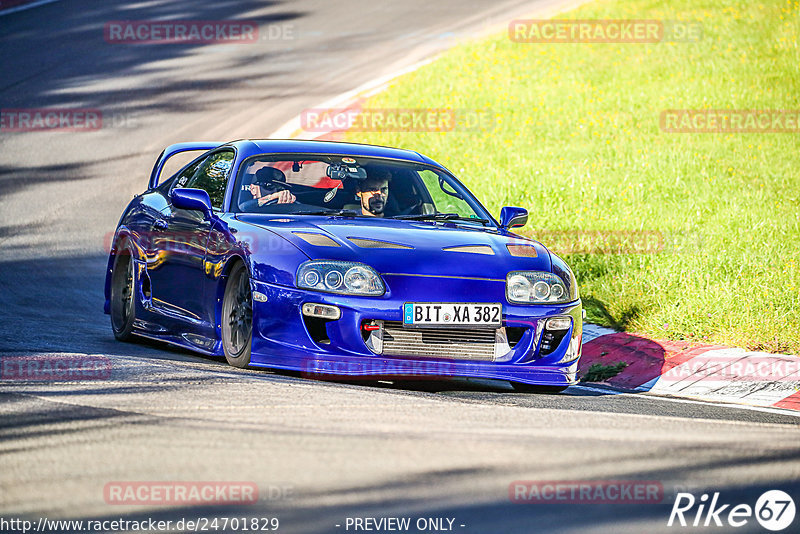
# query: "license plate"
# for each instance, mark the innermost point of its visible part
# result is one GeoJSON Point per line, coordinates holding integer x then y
{"type": "Point", "coordinates": [452, 314]}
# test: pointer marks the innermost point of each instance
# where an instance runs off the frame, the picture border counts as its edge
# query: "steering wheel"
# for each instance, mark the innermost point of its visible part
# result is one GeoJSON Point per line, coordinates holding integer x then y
{"type": "Point", "coordinates": [411, 209]}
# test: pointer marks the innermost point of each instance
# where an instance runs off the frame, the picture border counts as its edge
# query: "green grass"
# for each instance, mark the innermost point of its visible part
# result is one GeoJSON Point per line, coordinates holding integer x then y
{"type": "Point", "coordinates": [577, 141]}
{"type": "Point", "coordinates": [598, 372]}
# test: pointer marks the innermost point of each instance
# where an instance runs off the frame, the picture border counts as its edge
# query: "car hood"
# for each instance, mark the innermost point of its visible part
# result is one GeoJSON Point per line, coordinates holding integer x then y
{"type": "Point", "coordinates": [408, 247]}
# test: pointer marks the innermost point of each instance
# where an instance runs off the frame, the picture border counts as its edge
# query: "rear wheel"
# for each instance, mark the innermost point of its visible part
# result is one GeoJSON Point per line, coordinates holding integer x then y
{"type": "Point", "coordinates": [237, 318]}
{"type": "Point", "coordinates": [122, 291]}
{"type": "Point", "coordinates": [532, 388]}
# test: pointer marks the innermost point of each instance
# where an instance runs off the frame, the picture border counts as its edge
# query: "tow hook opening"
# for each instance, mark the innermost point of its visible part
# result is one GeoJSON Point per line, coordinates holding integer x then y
{"type": "Point", "coordinates": [372, 334]}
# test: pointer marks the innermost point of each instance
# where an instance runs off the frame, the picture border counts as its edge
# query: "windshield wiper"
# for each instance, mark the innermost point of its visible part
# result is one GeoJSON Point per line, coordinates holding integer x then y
{"type": "Point", "coordinates": [441, 217]}
{"type": "Point", "coordinates": [344, 213]}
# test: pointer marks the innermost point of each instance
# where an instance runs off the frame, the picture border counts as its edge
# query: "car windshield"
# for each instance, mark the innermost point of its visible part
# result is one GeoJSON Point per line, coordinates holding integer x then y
{"type": "Point", "coordinates": [352, 186]}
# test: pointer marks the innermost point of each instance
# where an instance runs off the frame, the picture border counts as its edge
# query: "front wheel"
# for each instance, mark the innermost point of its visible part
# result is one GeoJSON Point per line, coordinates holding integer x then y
{"type": "Point", "coordinates": [122, 293]}
{"type": "Point", "coordinates": [237, 318]}
{"type": "Point", "coordinates": [532, 388]}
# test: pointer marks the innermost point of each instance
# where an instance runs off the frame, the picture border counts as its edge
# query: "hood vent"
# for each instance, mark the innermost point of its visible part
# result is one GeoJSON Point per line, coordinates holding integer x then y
{"type": "Point", "coordinates": [374, 243]}
{"type": "Point", "coordinates": [525, 251]}
{"type": "Point", "coordinates": [471, 249]}
{"type": "Point", "coordinates": [318, 240]}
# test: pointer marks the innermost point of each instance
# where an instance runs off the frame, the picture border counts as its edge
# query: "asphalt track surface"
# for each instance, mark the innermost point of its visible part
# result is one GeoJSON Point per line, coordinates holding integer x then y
{"type": "Point", "coordinates": [320, 452]}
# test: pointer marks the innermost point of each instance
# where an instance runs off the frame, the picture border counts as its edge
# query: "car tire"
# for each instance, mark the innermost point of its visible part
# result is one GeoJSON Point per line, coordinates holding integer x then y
{"type": "Point", "coordinates": [532, 388]}
{"type": "Point", "coordinates": [237, 317]}
{"type": "Point", "coordinates": [122, 303]}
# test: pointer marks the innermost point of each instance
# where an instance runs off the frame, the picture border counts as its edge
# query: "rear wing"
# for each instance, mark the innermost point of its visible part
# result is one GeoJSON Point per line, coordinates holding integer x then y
{"type": "Point", "coordinates": [170, 151]}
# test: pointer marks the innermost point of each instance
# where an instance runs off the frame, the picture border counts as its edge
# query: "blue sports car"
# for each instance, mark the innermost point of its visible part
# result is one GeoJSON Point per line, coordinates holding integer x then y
{"type": "Point", "coordinates": [339, 259]}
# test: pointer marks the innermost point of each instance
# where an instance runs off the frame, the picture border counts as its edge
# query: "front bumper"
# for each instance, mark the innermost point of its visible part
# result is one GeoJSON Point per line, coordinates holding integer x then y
{"type": "Point", "coordinates": [282, 338]}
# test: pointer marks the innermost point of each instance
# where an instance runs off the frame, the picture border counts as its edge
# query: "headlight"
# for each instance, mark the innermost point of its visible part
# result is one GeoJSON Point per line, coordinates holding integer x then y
{"type": "Point", "coordinates": [345, 277]}
{"type": "Point", "coordinates": [535, 287]}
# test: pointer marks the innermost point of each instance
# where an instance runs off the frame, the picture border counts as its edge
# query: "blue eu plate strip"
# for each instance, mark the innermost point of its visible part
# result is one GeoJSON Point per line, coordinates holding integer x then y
{"type": "Point", "coordinates": [408, 314]}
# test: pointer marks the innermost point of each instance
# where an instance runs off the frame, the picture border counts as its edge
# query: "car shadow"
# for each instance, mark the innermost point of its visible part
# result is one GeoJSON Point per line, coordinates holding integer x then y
{"type": "Point", "coordinates": [322, 510]}
{"type": "Point", "coordinates": [631, 362]}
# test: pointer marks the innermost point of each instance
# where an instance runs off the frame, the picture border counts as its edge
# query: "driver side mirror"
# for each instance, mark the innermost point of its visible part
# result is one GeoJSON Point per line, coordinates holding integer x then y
{"type": "Point", "coordinates": [513, 217]}
{"type": "Point", "coordinates": [186, 198]}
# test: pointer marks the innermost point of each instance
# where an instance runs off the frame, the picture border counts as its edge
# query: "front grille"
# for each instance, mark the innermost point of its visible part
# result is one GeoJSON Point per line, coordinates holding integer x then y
{"type": "Point", "coordinates": [447, 343]}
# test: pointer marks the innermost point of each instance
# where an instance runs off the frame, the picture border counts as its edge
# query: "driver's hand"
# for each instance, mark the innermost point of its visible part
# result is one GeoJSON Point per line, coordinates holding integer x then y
{"type": "Point", "coordinates": [283, 197]}
{"type": "Point", "coordinates": [255, 190]}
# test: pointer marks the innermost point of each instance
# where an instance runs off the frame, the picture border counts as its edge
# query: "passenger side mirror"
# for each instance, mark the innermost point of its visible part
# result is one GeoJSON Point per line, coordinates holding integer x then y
{"type": "Point", "coordinates": [186, 198]}
{"type": "Point", "coordinates": [513, 217]}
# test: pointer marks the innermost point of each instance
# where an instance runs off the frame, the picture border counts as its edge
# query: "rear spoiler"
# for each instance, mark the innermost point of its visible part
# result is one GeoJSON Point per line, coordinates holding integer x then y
{"type": "Point", "coordinates": [177, 148]}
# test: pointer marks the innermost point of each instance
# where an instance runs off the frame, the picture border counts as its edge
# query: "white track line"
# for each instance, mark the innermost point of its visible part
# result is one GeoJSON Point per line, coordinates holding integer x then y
{"type": "Point", "coordinates": [23, 7]}
{"type": "Point", "coordinates": [765, 409]}
{"type": "Point", "coordinates": [292, 129]}
{"type": "Point", "coordinates": [593, 331]}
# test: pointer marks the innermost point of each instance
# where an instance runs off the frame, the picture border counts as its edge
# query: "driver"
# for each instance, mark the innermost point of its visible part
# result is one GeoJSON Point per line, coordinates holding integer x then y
{"type": "Point", "coordinates": [264, 188]}
{"type": "Point", "coordinates": [373, 193]}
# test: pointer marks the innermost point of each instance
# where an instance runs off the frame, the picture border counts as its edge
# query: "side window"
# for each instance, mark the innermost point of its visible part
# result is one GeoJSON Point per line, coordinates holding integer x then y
{"type": "Point", "coordinates": [211, 175]}
{"type": "Point", "coordinates": [445, 199]}
{"type": "Point", "coordinates": [178, 180]}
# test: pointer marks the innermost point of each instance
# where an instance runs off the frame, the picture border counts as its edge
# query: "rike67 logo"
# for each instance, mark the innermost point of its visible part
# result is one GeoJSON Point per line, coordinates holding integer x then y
{"type": "Point", "coordinates": [774, 510]}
